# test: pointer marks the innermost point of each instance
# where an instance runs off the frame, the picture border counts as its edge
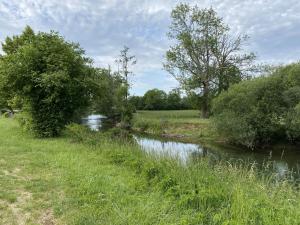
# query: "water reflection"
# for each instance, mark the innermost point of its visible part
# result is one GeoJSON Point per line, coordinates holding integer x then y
{"type": "Point", "coordinates": [93, 121]}
{"type": "Point", "coordinates": [171, 148]}
{"type": "Point", "coordinates": [283, 162]}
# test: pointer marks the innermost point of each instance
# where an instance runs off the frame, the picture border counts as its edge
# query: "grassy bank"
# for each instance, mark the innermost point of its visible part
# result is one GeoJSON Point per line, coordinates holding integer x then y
{"type": "Point", "coordinates": [186, 125]}
{"type": "Point", "coordinates": [90, 179]}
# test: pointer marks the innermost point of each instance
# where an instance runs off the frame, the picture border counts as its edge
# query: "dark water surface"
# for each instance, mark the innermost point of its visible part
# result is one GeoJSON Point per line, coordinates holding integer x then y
{"type": "Point", "coordinates": [281, 161]}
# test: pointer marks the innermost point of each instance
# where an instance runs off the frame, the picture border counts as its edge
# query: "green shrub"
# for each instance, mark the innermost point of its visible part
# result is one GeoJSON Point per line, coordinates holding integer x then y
{"type": "Point", "coordinates": [255, 112]}
{"type": "Point", "coordinates": [49, 76]}
{"type": "Point", "coordinates": [119, 134]}
{"type": "Point", "coordinates": [77, 132]}
{"type": "Point", "coordinates": [25, 121]}
{"type": "Point", "coordinates": [293, 124]}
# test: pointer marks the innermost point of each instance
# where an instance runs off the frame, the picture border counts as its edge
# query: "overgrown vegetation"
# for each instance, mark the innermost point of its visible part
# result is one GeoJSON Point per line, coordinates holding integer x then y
{"type": "Point", "coordinates": [261, 111]}
{"type": "Point", "coordinates": [74, 180]}
{"type": "Point", "coordinates": [49, 76]}
{"type": "Point", "coordinates": [53, 83]}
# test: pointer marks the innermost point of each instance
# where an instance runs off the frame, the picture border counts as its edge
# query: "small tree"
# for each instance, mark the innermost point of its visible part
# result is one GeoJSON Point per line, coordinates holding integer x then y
{"type": "Point", "coordinates": [205, 58]}
{"type": "Point", "coordinates": [50, 76]}
{"type": "Point", "coordinates": [125, 60]}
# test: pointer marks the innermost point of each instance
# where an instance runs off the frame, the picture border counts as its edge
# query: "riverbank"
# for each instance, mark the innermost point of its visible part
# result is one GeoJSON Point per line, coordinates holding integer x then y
{"type": "Point", "coordinates": [89, 178]}
{"type": "Point", "coordinates": [183, 125]}
{"type": "Point", "coordinates": [188, 126]}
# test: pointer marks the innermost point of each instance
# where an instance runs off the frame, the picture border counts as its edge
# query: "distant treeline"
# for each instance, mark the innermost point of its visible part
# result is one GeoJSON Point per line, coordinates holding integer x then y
{"type": "Point", "coordinates": [156, 99]}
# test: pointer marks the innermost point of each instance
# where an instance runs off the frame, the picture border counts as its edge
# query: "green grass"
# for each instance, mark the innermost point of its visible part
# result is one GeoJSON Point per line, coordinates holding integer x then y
{"type": "Point", "coordinates": [186, 125]}
{"type": "Point", "coordinates": [174, 116]}
{"type": "Point", "coordinates": [97, 180]}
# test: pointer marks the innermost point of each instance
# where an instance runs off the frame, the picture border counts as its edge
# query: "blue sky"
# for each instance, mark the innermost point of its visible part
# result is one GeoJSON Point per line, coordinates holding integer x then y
{"type": "Point", "coordinates": [103, 27]}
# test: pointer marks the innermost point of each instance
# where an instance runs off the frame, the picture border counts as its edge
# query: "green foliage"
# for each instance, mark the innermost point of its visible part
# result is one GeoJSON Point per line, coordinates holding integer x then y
{"type": "Point", "coordinates": [79, 133]}
{"type": "Point", "coordinates": [107, 93]}
{"type": "Point", "coordinates": [111, 92]}
{"type": "Point", "coordinates": [49, 75]}
{"type": "Point", "coordinates": [205, 58]}
{"type": "Point", "coordinates": [174, 100]}
{"type": "Point", "coordinates": [25, 121]}
{"type": "Point", "coordinates": [155, 99]}
{"type": "Point", "coordinates": [260, 111]}
{"type": "Point", "coordinates": [293, 124]}
{"type": "Point", "coordinates": [137, 102]}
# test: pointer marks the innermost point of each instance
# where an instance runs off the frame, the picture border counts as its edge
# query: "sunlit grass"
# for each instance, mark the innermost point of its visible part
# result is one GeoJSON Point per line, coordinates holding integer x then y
{"type": "Point", "coordinates": [114, 182]}
{"type": "Point", "coordinates": [186, 124]}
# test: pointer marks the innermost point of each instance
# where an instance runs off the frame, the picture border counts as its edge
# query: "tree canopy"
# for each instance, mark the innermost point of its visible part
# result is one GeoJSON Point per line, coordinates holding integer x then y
{"type": "Point", "coordinates": [50, 75]}
{"type": "Point", "coordinates": [205, 58]}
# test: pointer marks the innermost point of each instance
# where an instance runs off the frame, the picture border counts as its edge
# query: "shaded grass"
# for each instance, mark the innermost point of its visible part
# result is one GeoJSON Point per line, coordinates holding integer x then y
{"type": "Point", "coordinates": [112, 182]}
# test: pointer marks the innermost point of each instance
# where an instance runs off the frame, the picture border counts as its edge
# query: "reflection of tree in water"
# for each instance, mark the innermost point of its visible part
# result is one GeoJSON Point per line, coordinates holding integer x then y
{"type": "Point", "coordinates": [106, 124]}
{"type": "Point", "coordinates": [202, 153]}
{"type": "Point", "coordinates": [267, 163]}
{"type": "Point", "coordinates": [196, 156]}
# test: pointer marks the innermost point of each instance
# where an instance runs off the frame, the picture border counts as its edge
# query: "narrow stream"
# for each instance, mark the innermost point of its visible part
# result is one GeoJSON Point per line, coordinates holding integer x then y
{"type": "Point", "coordinates": [283, 161]}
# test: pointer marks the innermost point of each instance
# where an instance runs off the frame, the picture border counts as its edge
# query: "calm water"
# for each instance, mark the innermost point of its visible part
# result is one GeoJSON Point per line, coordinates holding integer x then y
{"type": "Point", "coordinates": [93, 121]}
{"type": "Point", "coordinates": [283, 160]}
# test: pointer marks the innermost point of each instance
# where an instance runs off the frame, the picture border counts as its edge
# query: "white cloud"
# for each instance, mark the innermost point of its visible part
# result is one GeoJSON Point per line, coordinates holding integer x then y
{"type": "Point", "coordinates": [103, 27]}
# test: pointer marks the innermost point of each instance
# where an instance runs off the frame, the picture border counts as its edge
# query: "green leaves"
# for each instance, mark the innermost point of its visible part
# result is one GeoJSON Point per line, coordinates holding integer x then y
{"type": "Point", "coordinates": [261, 111]}
{"type": "Point", "coordinates": [205, 58]}
{"type": "Point", "coordinates": [49, 75]}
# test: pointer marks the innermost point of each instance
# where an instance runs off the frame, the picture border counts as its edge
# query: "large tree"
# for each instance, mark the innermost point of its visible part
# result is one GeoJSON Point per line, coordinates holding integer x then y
{"type": "Point", "coordinates": [51, 77]}
{"type": "Point", "coordinates": [205, 58]}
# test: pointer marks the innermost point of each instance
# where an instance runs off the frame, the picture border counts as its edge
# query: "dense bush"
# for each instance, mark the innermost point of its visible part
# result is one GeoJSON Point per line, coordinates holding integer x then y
{"type": "Point", "coordinates": [261, 111]}
{"type": "Point", "coordinates": [293, 124]}
{"type": "Point", "coordinates": [49, 75]}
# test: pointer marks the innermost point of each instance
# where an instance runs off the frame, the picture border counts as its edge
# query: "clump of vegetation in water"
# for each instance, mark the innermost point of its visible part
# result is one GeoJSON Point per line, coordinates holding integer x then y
{"type": "Point", "coordinates": [261, 111]}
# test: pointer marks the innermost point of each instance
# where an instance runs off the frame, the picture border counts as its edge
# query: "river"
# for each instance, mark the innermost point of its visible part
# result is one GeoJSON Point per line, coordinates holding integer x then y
{"type": "Point", "coordinates": [282, 162]}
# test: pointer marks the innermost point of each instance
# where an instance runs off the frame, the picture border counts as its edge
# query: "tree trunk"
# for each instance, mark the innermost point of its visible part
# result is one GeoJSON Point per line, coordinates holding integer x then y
{"type": "Point", "coordinates": [205, 105]}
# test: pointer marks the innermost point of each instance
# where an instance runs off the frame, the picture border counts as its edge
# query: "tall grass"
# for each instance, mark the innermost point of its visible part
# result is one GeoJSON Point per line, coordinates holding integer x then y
{"type": "Point", "coordinates": [106, 180]}
{"type": "Point", "coordinates": [203, 193]}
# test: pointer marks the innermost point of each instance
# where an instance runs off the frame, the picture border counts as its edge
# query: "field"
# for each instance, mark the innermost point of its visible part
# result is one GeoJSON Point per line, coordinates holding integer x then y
{"type": "Point", "coordinates": [86, 178]}
{"type": "Point", "coordinates": [186, 125]}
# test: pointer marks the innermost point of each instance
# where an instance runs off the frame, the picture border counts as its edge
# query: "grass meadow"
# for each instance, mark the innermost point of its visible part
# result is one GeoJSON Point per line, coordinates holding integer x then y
{"type": "Point", "coordinates": [89, 178]}
{"type": "Point", "coordinates": [186, 125]}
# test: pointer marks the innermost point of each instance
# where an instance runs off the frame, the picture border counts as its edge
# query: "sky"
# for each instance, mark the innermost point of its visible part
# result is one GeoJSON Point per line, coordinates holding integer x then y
{"type": "Point", "coordinates": [103, 27]}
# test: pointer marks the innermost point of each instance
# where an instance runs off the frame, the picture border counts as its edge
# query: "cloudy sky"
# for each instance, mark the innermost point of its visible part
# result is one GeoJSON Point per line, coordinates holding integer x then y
{"type": "Point", "coordinates": [103, 27]}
